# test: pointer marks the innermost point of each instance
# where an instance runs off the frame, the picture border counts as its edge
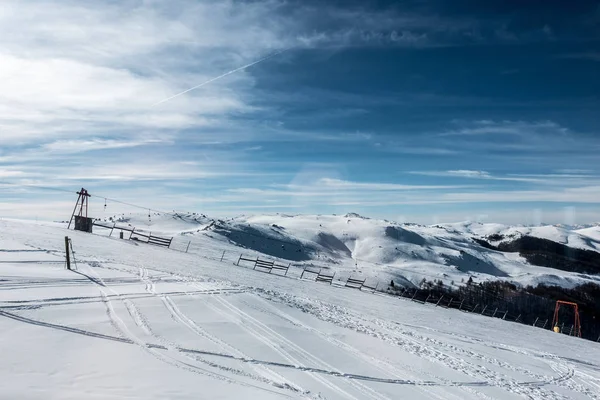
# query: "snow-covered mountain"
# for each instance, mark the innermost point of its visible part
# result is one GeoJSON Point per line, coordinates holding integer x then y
{"type": "Point", "coordinates": [141, 321]}
{"type": "Point", "coordinates": [387, 250]}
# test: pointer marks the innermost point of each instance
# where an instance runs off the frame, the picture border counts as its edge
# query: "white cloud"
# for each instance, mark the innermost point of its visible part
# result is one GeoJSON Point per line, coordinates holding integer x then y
{"type": "Point", "coordinates": [78, 146]}
{"type": "Point", "coordinates": [373, 186]}
{"type": "Point", "coordinates": [502, 128]}
{"type": "Point", "coordinates": [469, 173]}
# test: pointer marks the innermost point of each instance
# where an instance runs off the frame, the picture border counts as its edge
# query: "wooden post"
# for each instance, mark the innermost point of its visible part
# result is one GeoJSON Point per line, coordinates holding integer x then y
{"type": "Point", "coordinates": [238, 261]}
{"type": "Point", "coordinates": [302, 274]}
{"type": "Point", "coordinates": [495, 311]}
{"type": "Point", "coordinates": [402, 294]}
{"type": "Point", "coordinates": [517, 320]}
{"type": "Point", "coordinates": [475, 308]}
{"type": "Point", "coordinates": [427, 298]}
{"type": "Point", "coordinates": [331, 282]}
{"type": "Point", "coordinates": [131, 234]}
{"type": "Point", "coordinates": [188, 246]}
{"type": "Point", "coordinates": [504, 317]}
{"type": "Point", "coordinates": [436, 304]}
{"type": "Point", "coordinates": [111, 230]}
{"type": "Point", "coordinates": [67, 254]}
{"type": "Point", "coordinates": [544, 327]}
{"type": "Point", "coordinates": [571, 331]}
{"type": "Point", "coordinates": [536, 320]}
{"type": "Point", "coordinates": [484, 308]}
{"type": "Point", "coordinates": [416, 291]}
{"type": "Point", "coordinates": [223, 255]}
{"type": "Point", "coordinates": [450, 302]}
{"type": "Point", "coordinates": [461, 303]}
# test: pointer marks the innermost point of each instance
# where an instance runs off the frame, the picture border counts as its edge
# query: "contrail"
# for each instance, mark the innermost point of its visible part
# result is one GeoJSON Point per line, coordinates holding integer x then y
{"type": "Point", "coordinates": [220, 76]}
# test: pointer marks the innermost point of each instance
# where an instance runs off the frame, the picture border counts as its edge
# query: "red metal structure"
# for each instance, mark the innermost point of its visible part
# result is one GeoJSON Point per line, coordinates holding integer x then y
{"type": "Point", "coordinates": [81, 217]}
{"type": "Point", "coordinates": [577, 325]}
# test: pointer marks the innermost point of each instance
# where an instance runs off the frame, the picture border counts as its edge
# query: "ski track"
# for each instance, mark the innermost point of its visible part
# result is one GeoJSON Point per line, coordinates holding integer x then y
{"type": "Point", "coordinates": [388, 367]}
{"type": "Point", "coordinates": [269, 337]}
{"type": "Point", "coordinates": [529, 389]}
{"type": "Point", "coordinates": [381, 365]}
{"type": "Point", "coordinates": [270, 343]}
{"type": "Point", "coordinates": [559, 365]}
{"type": "Point", "coordinates": [413, 346]}
{"type": "Point", "coordinates": [122, 329]}
{"type": "Point", "coordinates": [434, 350]}
{"type": "Point", "coordinates": [182, 319]}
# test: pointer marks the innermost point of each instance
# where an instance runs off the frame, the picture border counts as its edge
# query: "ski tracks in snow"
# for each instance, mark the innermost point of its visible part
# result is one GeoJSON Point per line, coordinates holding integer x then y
{"type": "Point", "coordinates": [446, 354]}
{"type": "Point", "coordinates": [430, 349]}
{"type": "Point", "coordinates": [265, 374]}
{"type": "Point", "coordinates": [140, 321]}
{"type": "Point", "coordinates": [279, 344]}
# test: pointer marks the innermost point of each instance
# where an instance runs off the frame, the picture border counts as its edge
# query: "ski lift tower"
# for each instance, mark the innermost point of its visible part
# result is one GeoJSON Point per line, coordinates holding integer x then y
{"type": "Point", "coordinates": [82, 222]}
{"type": "Point", "coordinates": [577, 322]}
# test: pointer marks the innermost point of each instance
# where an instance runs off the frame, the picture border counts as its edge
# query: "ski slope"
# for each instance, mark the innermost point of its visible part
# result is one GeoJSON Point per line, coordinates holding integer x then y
{"type": "Point", "coordinates": [377, 250]}
{"type": "Point", "coordinates": [137, 321]}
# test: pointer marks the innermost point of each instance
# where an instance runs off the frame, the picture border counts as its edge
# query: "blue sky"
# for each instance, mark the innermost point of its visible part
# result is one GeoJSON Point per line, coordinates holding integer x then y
{"type": "Point", "coordinates": [421, 111]}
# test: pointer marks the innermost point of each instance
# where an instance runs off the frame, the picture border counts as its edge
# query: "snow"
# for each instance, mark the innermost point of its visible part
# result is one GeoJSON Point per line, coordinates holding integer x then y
{"type": "Point", "coordinates": [592, 233]}
{"type": "Point", "coordinates": [564, 235]}
{"type": "Point", "coordinates": [139, 321]}
{"type": "Point", "coordinates": [377, 250]}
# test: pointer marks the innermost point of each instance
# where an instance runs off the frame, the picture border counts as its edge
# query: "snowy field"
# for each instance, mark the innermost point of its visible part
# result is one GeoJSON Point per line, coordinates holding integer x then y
{"type": "Point", "coordinates": [141, 322]}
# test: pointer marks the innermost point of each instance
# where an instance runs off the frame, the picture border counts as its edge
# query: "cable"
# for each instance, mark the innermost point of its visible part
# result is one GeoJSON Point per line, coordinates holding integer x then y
{"type": "Point", "coordinates": [131, 204]}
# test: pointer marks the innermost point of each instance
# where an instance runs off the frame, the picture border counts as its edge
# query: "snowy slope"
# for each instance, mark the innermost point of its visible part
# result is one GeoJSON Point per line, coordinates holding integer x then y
{"type": "Point", "coordinates": [559, 234]}
{"type": "Point", "coordinates": [380, 250]}
{"type": "Point", "coordinates": [387, 250]}
{"type": "Point", "coordinates": [592, 233]}
{"type": "Point", "coordinates": [137, 321]}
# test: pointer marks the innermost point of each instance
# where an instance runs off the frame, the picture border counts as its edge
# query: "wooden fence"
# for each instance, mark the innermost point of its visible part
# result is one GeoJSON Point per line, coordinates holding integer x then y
{"type": "Point", "coordinates": [268, 266]}
{"type": "Point", "coordinates": [137, 235]}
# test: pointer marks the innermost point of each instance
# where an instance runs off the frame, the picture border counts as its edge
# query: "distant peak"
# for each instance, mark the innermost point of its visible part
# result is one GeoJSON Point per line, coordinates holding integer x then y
{"type": "Point", "coordinates": [354, 215]}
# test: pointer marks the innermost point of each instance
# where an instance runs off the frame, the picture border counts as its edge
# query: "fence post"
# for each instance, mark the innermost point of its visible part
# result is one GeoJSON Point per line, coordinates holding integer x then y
{"type": "Point", "coordinates": [302, 274]}
{"type": "Point", "coordinates": [402, 294]}
{"type": "Point", "coordinates": [223, 255]}
{"type": "Point", "coordinates": [517, 320]}
{"type": "Point", "coordinates": [571, 331]}
{"type": "Point", "coordinates": [427, 298]}
{"type": "Point", "coordinates": [475, 308]}
{"type": "Point", "coordinates": [504, 317]}
{"type": "Point", "coordinates": [111, 229]}
{"type": "Point", "coordinates": [544, 327]}
{"type": "Point", "coordinates": [536, 320]}
{"type": "Point", "coordinates": [131, 234]}
{"type": "Point", "coordinates": [67, 252]}
{"type": "Point", "coordinates": [188, 246]}
{"type": "Point", "coordinates": [495, 311]}
{"type": "Point", "coordinates": [331, 282]}
{"type": "Point", "coordinates": [436, 304]}
{"type": "Point", "coordinates": [238, 261]}
{"type": "Point", "coordinates": [461, 303]}
{"type": "Point", "coordinates": [450, 302]}
{"type": "Point", "coordinates": [484, 308]}
{"type": "Point", "coordinates": [416, 291]}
